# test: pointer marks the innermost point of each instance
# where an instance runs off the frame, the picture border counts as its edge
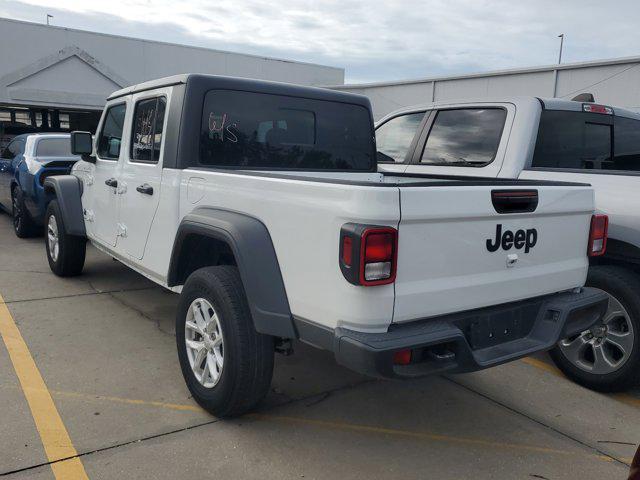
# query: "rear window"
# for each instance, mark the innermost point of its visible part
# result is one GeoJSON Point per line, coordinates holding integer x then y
{"type": "Point", "coordinates": [587, 141]}
{"type": "Point", "coordinates": [256, 130]}
{"type": "Point", "coordinates": [465, 137]}
{"type": "Point", "coordinates": [53, 147]}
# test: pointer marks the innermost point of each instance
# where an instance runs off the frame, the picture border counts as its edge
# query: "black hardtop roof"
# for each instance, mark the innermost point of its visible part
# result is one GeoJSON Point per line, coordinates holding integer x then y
{"type": "Point", "coordinates": [202, 82]}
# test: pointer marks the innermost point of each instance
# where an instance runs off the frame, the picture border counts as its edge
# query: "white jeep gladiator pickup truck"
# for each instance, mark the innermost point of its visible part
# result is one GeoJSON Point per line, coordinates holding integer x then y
{"type": "Point", "coordinates": [551, 139]}
{"type": "Point", "coordinates": [262, 205]}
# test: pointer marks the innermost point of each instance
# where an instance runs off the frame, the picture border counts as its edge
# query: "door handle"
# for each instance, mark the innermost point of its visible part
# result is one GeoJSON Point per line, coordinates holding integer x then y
{"type": "Point", "coordinates": [111, 182]}
{"type": "Point", "coordinates": [145, 188]}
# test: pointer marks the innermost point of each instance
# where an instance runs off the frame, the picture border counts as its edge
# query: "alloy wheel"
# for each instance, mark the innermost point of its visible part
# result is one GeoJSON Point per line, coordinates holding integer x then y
{"type": "Point", "coordinates": [605, 347]}
{"type": "Point", "coordinates": [205, 342]}
{"type": "Point", "coordinates": [52, 238]}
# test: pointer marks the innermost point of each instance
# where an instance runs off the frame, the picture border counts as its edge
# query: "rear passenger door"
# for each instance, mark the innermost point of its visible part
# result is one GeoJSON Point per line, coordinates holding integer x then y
{"type": "Point", "coordinates": [142, 171]}
{"type": "Point", "coordinates": [468, 140]}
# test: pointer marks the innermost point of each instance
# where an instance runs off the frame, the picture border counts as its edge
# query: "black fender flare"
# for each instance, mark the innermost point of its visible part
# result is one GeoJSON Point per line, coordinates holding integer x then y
{"type": "Point", "coordinates": [251, 244]}
{"type": "Point", "coordinates": [68, 192]}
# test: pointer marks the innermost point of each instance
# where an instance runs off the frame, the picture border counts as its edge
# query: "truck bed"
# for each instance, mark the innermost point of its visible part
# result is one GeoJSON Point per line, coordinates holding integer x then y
{"type": "Point", "coordinates": [443, 223]}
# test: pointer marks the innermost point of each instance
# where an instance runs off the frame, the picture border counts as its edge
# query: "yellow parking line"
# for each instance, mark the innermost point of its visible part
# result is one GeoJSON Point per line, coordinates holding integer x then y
{"type": "Point", "coordinates": [427, 436]}
{"type": "Point", "coordinates": [534, 362]}
{"type": "Point", "coordinates": [53, 433]}
{"type": "Point", "coordinates": [621, 397]}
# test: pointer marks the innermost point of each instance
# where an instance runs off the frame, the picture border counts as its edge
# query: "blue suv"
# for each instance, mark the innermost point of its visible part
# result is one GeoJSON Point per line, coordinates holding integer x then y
{"type": "Point", "coordinates": [24, 164]}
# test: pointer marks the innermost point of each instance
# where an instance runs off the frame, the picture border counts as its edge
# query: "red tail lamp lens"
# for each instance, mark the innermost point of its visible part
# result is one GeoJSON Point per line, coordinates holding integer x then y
{"type": "Point", "coordinates": [598, 235]}
{"type": "Point", "coordinates": [347, 250]}
{"type": "Point", "coordinates": [402, 357]}
{"type": "Point", "coordinates": [379, 247]}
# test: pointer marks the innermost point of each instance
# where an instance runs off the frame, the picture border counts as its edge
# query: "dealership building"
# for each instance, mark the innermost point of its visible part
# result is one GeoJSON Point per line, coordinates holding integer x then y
{"type": "Point", "coordinates": [612, 82]}
{"type": "Point", "coordinates": [57, 79]}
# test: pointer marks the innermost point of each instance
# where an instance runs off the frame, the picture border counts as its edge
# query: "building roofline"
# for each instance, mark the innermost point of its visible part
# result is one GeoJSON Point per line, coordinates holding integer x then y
{"type": "Point", "coordinates": [495, 73]}
{"type": "Point", "coordinates": [160, 42]}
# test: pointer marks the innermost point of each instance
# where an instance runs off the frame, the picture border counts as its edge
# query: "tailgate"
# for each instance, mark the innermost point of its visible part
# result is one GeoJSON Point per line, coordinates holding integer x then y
{"type": "Point", "coordinates": [449, 259]}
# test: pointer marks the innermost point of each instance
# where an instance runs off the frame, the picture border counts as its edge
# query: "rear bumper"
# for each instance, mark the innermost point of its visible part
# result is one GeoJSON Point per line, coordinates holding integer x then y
{"type": "Point", "coordinates": [471, 340]}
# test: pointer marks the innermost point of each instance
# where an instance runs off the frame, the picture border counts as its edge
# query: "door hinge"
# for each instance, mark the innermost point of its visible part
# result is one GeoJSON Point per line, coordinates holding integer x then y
{"type": "Point", "coordinates": [88, 215]}
{"type": "Point", "coordinates": [122, 230]}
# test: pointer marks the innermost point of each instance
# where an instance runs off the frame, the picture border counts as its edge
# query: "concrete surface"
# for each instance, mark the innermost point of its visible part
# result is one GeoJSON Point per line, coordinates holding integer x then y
{"type": "Point", "coordinates": [104, 344]}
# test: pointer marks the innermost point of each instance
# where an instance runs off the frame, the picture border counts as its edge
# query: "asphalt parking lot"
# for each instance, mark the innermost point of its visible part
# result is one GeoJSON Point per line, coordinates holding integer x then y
{"type": "Point", "coordinates": [103, 343]}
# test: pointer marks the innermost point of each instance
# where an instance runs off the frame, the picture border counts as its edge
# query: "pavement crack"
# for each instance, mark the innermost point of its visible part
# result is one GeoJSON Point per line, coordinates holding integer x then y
{"type": "Point", "coordinates": [140, 312]}
{"type": "Point", "coordinates": [539, 422]}
{"type": "Point", "coordinates": [83, 294]}
{"type": "Point", "coordinates": [616, 443]}
{"type": "Point", "coordinates": [319, 399]}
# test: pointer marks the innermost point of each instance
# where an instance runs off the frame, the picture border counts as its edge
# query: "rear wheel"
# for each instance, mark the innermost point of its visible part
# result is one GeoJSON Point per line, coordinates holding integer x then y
{"type": "Point", "coordinates": [607, 356]}
{"type": "Point", "coordinates": [23, 225]}
{"type": "Point", "coordinates": [65, 253]}
{"type": "Point", "coordinates": [226, 364]}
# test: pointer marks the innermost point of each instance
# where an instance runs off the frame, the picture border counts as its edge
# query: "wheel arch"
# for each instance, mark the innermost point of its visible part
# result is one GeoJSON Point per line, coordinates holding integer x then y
{"type": "Point", "coordinates": [214, 236]}
{"type": "Point", "coordinates": [67, 190]}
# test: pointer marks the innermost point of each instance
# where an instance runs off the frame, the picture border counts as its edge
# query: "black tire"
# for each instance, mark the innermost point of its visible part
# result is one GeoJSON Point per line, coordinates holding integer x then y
{"type": "Point", "coordinates": [624, 285]}
{"type": "Point", "coordinates": [23, 224]}
{"type": "Point", "coordinates": [71, 248]}
{"type": "Point", "coordinates": [248, 355]}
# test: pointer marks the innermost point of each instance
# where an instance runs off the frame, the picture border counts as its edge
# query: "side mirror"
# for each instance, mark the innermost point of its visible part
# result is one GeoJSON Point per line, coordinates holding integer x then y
{"type": "Point", "coordinates": [82, 144]}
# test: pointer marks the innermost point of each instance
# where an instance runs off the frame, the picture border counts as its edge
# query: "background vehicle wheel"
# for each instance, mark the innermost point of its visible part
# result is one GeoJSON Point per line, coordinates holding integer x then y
{"type": "Point", "coordinates": [22, 223]}
{"type": "Point", "coordinates": [226, 364]}
{"type": "Point", "coordinates": [607, 357]}
{"type": "Point", "coordinates": [66, 253]}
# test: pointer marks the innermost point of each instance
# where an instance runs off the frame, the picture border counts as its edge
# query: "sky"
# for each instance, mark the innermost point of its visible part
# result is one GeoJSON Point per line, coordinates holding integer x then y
{"type": "Point", "coordinates": [373, 40]}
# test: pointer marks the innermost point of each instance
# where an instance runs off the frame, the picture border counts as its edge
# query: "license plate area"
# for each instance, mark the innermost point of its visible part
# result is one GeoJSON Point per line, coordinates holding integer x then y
{"type": "Point", "coordinates": [485, 331]}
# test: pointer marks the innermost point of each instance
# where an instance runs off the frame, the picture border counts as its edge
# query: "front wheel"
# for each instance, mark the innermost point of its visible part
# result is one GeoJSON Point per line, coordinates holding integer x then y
{"type": "Point", "coordinates": [607, 356]}
{"type": "Point", "coordinates": [65, 253]}
{"type": "Point", "coordinates": [226, 364]}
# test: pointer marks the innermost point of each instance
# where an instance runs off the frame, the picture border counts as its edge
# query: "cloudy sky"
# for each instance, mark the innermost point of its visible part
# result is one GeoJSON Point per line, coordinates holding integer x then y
{"type": "Point", "coordinates": [373, 40]}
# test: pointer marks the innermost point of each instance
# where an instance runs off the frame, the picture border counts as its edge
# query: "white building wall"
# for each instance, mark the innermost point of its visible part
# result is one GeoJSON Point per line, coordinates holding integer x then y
{"type": "Point", "coordinates": [54, 66]}
{"type": "Point", "coordinates": [613, 82]}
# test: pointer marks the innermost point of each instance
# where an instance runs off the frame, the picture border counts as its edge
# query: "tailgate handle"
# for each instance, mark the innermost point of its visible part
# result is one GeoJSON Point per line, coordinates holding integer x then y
{"type": "Point", "coordinates": [514, 201]}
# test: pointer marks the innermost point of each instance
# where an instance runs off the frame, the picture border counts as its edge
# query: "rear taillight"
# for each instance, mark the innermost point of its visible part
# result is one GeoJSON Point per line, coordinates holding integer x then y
{"type": "Point", "coordinates": [368, 254]}
{"type": "Point", "coordinates": [598, 235]}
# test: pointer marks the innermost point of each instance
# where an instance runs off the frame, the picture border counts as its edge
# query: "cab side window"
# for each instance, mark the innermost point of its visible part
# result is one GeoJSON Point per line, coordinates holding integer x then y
{"type": "Point", "coordinates": [464, 137]}
{"type": "Point", "coordinates": [110, 137]}
{"type": "Point", "coordinates": [394, 137]}
{"type": "Point", "coordinates": [146, 138]}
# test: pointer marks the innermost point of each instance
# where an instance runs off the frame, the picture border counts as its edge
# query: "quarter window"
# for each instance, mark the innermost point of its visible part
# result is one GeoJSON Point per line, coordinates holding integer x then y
{"type": "Point", "coordinates": [464, 137]}
{"type": "Point", "coordinates": [148, 121]}
{"type": "Point", "coordinates": [394, 137]}
{"type": "Point", "coordinates": [111, 135]}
